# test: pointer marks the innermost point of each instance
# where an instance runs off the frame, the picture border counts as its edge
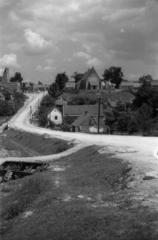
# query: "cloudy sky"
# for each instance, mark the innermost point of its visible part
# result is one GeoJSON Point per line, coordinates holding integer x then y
{"type": "Point", "coordinates": [41, 38]}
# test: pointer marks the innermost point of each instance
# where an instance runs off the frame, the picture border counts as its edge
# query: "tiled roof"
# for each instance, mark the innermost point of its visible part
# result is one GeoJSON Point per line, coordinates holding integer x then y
{"type": "Point", "coordinates": [87, 119]}
{"type": "Point", "coordinates": [60, 102]}
{"type": "Point", "coordinates": [78, 110]}
{"type": "Point", "coordinates": [80, 119]}
{"type": "Point", "coordinates": [126, 84]}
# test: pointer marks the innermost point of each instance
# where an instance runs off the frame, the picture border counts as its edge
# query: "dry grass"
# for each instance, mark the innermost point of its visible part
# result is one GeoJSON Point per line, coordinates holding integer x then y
{"type": "Point", "coordinates": [41, 145]}
{"type": "Point", "coordinates": [88, 203]}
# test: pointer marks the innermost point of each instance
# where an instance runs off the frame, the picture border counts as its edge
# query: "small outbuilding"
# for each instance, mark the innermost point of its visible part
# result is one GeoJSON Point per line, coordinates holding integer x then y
{"type": "Point", "coordinates": [55, 116]}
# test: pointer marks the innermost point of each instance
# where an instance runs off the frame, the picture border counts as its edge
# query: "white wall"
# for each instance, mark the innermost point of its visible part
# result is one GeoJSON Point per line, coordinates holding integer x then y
{"type": "Point", "coordinates": [55, 116]}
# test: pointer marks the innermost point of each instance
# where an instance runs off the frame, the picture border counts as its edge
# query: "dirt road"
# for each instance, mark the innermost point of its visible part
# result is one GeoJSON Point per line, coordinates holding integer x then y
{"type": "Point", "coordinates": [132, 148]}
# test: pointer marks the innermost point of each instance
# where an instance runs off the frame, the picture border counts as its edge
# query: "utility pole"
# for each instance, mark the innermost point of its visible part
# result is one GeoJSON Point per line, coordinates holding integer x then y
{"type": "Point", "coordinates": [99, 99]}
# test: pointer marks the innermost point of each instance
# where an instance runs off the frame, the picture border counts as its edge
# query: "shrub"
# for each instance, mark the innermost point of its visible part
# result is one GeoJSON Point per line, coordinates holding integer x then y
{"type": "Point", "coordinates": [63, 147]}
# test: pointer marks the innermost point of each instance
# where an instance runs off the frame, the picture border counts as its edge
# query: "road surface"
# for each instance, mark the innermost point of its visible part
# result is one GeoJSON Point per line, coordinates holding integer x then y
{"type": "Point", "coordinates": [132, 148]}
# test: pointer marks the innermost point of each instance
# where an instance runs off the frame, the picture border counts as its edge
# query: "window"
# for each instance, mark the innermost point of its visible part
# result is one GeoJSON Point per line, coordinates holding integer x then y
{"type": "Point", "coordinates": [56, 117]}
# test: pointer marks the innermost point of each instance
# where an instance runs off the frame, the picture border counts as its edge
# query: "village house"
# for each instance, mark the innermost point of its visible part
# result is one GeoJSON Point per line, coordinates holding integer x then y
{"type": "Point", "coordinates": [40, 87]}
{"type": "Point", "coordinates": [126, 85]}
{"type": "Point", "coordinates": [90, 81]}
{"type": "Point", "coordinates": [88, 124]}
{"type": "Point", "coordinates": [55, 116]}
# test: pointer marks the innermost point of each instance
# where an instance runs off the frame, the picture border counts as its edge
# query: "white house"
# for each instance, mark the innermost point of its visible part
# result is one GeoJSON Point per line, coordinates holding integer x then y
{"type": "Point", "coordinates": [55, 116]}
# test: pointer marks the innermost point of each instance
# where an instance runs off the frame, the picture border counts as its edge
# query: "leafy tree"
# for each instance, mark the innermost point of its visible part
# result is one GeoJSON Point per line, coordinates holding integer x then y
{"type": "Point", "coordinates": [144, 119]}
{"type": "Point", "coordinates": [17, 78]}
{"type": "Point", "coordinates": [61, 80]}
{"type": "Point", "coordinates": [47, 101]}
{"type": "Point", "coordinates": [77, 76]}
{"type": "Point", "coordinates": [122, 122]}
{"type": "Point", "coordinates": [42, 116]}
{"type": "Point", "coordinates": [53, 90]}
{"type": "Point", "coordinates": [110, 119]}
{"type": "Point", "coordinates": [114, 75]}
{"type": "Point", "coordinates": [145, 79]}
{"type": "Point", "coordinates": [40, 83]}
{"type": "Point", "coordinates": [148, 95]}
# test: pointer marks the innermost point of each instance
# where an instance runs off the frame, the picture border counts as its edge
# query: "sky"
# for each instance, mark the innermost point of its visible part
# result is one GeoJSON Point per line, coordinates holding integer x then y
{"type": "Point", "coordinates": [41, 38]}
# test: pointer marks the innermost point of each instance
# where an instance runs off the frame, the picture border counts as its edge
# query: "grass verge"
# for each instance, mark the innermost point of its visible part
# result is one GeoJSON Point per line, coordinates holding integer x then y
{"type": "Point", "coordinates": [32, 143]}
{"type": "Point", "coordinates": [82, 197]}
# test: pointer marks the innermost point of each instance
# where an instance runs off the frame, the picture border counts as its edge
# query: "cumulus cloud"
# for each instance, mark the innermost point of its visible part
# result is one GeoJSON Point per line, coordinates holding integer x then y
{"type": "Point", "coordinates": [35, 43]}
{"type": "Point", "coordinates": [39, 68]}
{"type": "Point", "coordinates": [82, 55]}
{"type": "Point", "coordinates": [94, 62]}
{"type": "Point", "coordinates": [9, 60]}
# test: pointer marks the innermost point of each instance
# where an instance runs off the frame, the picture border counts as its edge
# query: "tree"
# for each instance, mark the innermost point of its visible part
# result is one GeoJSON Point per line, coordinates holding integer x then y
{"type": "Point", "coordinates": [148, 95]}
{"type": "Point", "coordinates": [54, 90]}
{"type": "Point", "coordinates": [77, 76]}
{"type": "Point", "coordinates": [145, 79]}
{"type": "Point", "coordinates": [61, 80]}
{"type": "Point", "coordinates": [47, 101]}
{"type": "Point", "coordinates": [17, 78]}
{"type": "Point", "coordinates": [40, 83]}
{"type": "Point", "coordinates": [113, 75]}
{"type": "Point", "coordinates": [144, 119]}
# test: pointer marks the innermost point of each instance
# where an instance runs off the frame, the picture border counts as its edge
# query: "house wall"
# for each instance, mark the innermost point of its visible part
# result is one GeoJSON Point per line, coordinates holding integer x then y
{"type": "Point", "coordinates": [93, 76]}
{"type": "Point", "coordinates": [56, 117]}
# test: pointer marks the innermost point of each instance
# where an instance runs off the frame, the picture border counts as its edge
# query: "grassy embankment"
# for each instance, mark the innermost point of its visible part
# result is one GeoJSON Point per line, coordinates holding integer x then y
{"type": "Point", "coordinates": [31, 144]}
{"type": "Point", "coordinates": [83, 196]}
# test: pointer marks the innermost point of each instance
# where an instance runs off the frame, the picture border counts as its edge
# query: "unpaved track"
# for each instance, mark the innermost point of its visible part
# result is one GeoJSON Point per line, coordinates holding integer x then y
{"type": "Point", "coordinates": [139, 150]}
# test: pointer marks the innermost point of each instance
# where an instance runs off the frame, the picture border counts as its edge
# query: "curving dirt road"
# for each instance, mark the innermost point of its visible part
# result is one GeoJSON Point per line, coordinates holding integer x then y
{"type": "Point", "coordinates": [140, 150]}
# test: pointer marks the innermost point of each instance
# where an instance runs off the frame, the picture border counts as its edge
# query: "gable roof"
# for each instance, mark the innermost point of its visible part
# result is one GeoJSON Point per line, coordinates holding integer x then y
{"type": "Point", "coordinates": [78, 110]}
{"type": "Point", "coordinates": [86, 75]}
{"type": "Point", "coordinates": [80, 119]}
{"type": "Point", "coordinates": [60, 102]}
{"type": "Point", "coordinates": [88, 118]}
{"type": "Point", "coordinates": [52, 109]}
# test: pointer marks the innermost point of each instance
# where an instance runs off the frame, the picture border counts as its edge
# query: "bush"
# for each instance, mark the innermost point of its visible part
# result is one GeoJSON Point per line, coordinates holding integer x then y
{"type": "Point", "coordinates": [63, 147]}
{"type": "Point", "coordinates": [22, 198]}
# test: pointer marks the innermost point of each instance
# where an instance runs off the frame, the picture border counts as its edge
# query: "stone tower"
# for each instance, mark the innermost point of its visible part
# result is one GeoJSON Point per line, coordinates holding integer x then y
{"type": "Point", "coordinates": [5, 78]}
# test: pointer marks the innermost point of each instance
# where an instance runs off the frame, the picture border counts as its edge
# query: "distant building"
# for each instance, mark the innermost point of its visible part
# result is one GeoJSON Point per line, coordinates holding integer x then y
{"type": "Point", "coordinates": [89, 81]}
{"type": "Point", "coordinates": [40, 87]}
{"type": "Point", "coordinates": [126, 85]}
{"type": "Point", "coordinates": [6, 85]}
{"type": "Point", "coordinates": [154, 84]}
{"type": "Point", "coordinates": [70, 85]}
{"type": "Point", "coordinates": [88, 124]}
{"type": "Point", "coordinates": [5, 78]}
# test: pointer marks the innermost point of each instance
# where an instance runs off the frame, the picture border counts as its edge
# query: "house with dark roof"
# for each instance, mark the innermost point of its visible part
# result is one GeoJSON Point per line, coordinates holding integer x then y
{"type": "Point", "coordinates": [78, 110]}
{"type": "Point", "coordinates": [88, 124]}
{"type": "Point", "coordinates": [89, 81]}
{"type": "Point", "coordinates": [126, 85]}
